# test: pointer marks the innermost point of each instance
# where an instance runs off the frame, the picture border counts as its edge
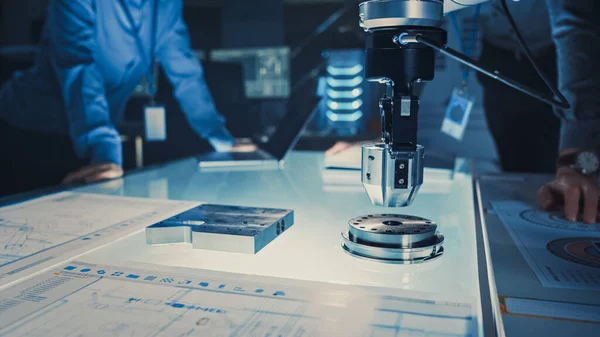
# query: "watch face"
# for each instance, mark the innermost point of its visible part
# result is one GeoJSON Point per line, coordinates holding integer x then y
{"type": "Point", "coordinates": [588, 162]}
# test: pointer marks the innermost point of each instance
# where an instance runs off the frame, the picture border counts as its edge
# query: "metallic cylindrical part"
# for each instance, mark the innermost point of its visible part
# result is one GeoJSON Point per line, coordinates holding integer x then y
{"type": "Point", "coordinates": [393, 238]}
{"type": "Point", "coordinates": [403, 64]}
{"type": "Point", "coordinates": [392, 229]}
{"type": "Point", "coordinates": [392, 180]}
{"type": "Point", "coordinates": [378, 14]}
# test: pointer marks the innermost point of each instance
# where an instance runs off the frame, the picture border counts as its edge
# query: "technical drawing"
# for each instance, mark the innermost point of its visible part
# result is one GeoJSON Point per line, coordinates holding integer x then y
{"type": "Point", "coordinates": [562, 254]}
{"type": "Point", "coordinates": [81, 302]}
{"type": "Point", "coordinates": [583, 251]}
{"type": "Point", "coordinates": [556, 220]}
{"type": "Point", "coordinates": [53, 227]}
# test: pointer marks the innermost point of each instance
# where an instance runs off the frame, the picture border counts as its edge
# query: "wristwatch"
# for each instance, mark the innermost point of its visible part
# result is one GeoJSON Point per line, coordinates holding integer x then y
{"type": "Point", "coordinates": [584, 162]}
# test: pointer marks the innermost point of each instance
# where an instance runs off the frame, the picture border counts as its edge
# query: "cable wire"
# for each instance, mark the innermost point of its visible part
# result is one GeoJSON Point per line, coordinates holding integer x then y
{"type": "Point", "coordinates": [528, 53]}
{"type": "Point", "coordinates": [491, 73]}
{"type": "Point", "coordinates": [322, 28]}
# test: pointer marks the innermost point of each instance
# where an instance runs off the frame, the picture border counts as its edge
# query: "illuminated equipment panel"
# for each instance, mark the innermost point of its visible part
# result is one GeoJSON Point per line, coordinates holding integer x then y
{"type": "Point", "coordinates": [344, 90]}
{"type": "Point", "coordinates": [266, 70]}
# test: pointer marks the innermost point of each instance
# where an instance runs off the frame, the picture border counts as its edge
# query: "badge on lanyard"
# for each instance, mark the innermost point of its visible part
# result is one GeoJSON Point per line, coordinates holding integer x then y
{"type": "Point", "coordinates": [461, 102]}
{"type": "Point", "coordinates": [154, 115]}
{"type": "Point", "coordinates": [156, 123]}
{"type": "Point", "coordinates": [457, 113]}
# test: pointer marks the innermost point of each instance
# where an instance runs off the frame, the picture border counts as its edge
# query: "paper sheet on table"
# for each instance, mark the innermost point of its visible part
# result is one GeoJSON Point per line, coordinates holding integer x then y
{"type": "Point", "coordinates": [562, 254]}
{"type": "Point", "coordinates": [43, 232]}
{"type": "Point", "coordinates": [550, 309]}
{"type": "Point", "coordinates": [79, 298]}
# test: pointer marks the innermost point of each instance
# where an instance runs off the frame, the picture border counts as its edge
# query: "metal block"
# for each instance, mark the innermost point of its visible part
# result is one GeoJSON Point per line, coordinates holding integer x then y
{"type": "Point", "coordinates": [225, 228]}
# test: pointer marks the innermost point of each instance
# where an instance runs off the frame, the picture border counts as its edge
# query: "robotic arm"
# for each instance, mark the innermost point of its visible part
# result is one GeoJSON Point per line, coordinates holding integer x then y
{"type": "Point", "coordinates": [392, 171]}
{"type": "Point", "coordinates": [402, 37]}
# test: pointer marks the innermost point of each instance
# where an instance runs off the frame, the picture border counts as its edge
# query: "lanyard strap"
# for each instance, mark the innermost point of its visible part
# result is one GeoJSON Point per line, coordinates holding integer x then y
{"type": "Point", "coordinates": [467, 49]}
{"type": "Point", "coordinates": [149, 60]}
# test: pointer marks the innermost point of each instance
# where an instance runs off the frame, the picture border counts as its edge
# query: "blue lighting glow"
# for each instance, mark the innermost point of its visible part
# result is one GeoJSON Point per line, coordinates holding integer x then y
{"type": "Point", "coordinates": [351, 117]}
{"type": "Point", "coordinates": [345, 71]}
{"type": "Point", "coordinates": [337, 94]}
{"type": "Point", "coordinates": [353, 82]}
{"type": "Point", "coordinates": [356, 104]}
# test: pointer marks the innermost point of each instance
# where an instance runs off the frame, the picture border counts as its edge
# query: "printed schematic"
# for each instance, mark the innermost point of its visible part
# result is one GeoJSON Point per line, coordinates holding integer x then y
{"type": "Point", "coordinates": [50, 229]}
{"type": "Point", "coordinates": [562, 254]}
{"type": "Point", "coordinates": [80, 298]}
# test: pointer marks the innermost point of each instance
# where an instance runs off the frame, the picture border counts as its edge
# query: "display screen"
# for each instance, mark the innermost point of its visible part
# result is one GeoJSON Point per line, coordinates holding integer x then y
{"type": "Point", "coordinates": [266, 70]}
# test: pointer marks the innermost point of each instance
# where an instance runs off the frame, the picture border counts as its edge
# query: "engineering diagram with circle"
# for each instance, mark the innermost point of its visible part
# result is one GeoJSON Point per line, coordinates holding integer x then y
{"type": "Point", "coordinates": [581, 250]}
{"type": "Point", "coordinates": [556, 220]}
{"type": "Point", "coordinates": [562, 254]}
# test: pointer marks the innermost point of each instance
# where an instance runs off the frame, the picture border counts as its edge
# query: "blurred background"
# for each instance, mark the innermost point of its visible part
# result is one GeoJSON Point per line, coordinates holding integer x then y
{"type": "Point", "coordinates": [259, 54]}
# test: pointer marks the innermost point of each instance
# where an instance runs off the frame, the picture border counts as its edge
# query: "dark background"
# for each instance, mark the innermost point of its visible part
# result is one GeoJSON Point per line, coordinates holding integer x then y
{"type": "Point", "coordinates": [257, 23]}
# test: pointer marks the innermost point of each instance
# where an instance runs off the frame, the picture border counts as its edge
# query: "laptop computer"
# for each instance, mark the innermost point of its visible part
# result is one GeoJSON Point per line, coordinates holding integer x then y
{"type": "Point", "coordinates": [271, 150]}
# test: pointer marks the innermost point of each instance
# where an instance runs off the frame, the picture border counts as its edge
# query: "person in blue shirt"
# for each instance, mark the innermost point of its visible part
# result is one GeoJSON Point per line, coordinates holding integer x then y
{"type": "Point", "coordinates": [58, 119]}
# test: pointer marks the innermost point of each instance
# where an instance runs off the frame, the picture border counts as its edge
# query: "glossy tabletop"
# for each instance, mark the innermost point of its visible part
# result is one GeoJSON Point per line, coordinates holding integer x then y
{"type": "Point", "coordinates": [323, 201]}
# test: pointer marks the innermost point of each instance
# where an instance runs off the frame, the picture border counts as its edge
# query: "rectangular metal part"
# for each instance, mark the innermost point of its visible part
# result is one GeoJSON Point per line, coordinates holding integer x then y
{"type": "Point", "coordinates": [224, 228]}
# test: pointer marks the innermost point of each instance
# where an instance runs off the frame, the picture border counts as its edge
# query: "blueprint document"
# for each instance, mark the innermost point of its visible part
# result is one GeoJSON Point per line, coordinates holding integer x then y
{"type": "Point", "coordinates": [85, 299]}
{"type": "Point", "coordinates": [561, 253]}
{"type": "Point", "coordinates": [43, 232]}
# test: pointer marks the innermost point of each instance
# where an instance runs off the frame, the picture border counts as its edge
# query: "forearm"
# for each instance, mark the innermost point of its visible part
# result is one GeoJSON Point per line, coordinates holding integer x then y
{"type": "Point", "coordinates": [576, 32]}
{"type": "Point", "coordinates": [102, 144]}
{"type": "Point", "coordinates": [72, 35]}
{"type": "Point", "coordinates": [90, 127]}
{"type": "Point", "coordinates": [581, 134]}
{"type": "Point", "coordinates": [187, 76]}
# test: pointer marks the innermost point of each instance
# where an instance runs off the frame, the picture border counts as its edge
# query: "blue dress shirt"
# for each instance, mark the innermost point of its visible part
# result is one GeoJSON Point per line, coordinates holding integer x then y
{"type": "Point", "coordinates": [88, 65]}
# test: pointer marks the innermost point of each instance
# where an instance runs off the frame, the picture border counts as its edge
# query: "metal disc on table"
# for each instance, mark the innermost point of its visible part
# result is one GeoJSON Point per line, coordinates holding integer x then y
{"type": "Point", "coordinates": [393, 238]}
{"type": "Point", "coordinates": [392, 229]}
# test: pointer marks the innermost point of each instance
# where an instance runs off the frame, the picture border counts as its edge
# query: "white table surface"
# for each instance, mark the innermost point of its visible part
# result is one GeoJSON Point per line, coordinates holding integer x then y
{"type": "Point", "coordinates": [310, 250]}
{"type": "Point", "coordinates": [323, 201]}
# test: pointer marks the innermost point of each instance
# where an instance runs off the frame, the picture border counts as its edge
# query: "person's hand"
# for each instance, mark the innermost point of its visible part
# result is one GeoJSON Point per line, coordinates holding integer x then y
{"type": "Point", "coordinates": [243, 148]}
{"type": "Point", "coordinates": [94, 173]}
{"type": "Point", "coordinates": [243, 145]}
{"type": "Point", "coordinates": [571, 189]}
{"type": "Point", "coordinates": [221, 140]}
{"type": "Point", "coordinates": [337, 148]}
{"type": "Point", "coordinates": [342, 146]}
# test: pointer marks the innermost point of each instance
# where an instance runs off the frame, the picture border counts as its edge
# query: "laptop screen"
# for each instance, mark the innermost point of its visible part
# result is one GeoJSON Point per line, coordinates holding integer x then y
{"type": "Point", "coordinates": [300, 110]}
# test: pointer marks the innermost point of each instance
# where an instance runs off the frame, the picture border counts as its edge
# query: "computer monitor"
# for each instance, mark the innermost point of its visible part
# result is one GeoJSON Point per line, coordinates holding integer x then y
{"type": "Point", "coordinates": [266, 70]}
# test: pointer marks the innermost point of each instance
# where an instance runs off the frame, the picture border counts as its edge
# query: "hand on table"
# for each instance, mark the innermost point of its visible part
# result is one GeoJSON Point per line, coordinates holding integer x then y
{"type": "Point", "coordinates": [338, 147]}
{"type": "Point", "coordinates": [342, 146]}
{"type": "Point", "coordinates": [243, 146]}
{"type": "Point", "coordinates": [94, 173]}
{"type": "Point", "coordinates": [224, 142]}
{"type": "Point", "coordinates": [573, 190]}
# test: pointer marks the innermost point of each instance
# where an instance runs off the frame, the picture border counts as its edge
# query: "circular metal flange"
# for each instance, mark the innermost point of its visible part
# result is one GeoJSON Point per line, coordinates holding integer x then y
{"type": "Point", "coordinates": [377, 14]}
{"type": "Point", "coordinates": [393, 238]}
{"type": "Point", "coordinates": [392, 229]}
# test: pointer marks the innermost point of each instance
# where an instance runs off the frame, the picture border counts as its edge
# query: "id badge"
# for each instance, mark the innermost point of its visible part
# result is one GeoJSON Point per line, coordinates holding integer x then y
{"type": "Point", "coordinates": [156, 123]}
{"type": "Point", "coordinates": [458, 113]}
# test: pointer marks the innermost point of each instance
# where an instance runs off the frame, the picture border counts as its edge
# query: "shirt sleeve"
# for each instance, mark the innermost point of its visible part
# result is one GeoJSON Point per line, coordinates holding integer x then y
{"type": "Point", "coordinates": [187, 76]}
{"type": "Point", "coordinates": [71, 30]}
{"type": "Point", "coordinates": [576, 32]}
